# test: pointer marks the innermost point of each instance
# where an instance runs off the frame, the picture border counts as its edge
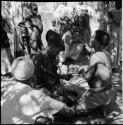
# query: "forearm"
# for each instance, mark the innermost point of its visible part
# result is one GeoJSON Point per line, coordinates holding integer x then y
{"type": "Point", "coordinates": [89, 74]}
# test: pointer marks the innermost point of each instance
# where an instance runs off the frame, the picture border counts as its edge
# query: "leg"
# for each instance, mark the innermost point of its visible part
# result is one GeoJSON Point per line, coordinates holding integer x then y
{"type": "Point", "coordinates": [93, 101]}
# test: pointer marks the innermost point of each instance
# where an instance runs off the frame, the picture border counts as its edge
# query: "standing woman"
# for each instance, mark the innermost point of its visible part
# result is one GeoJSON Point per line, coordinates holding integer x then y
{"type": "Point", "coordinates": [6, 55]}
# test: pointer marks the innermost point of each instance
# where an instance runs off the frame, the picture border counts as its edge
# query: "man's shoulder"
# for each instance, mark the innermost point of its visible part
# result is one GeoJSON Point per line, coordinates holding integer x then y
{"type": "Point", "coordinates": [96, 58]}
{"type": "Point", "coordinates": [98, 54]}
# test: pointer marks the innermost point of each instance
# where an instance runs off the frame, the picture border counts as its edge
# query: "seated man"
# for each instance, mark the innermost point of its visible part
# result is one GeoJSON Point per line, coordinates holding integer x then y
{"type": "Point", "coordinates": [98, 76]}
{"type": "Point", "coordinates": [22, 104]}
{"type": "Point", "coordinates": [46, 66]}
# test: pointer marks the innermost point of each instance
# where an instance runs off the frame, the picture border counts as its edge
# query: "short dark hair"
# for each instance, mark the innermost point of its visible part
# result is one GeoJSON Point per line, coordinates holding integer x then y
{"type": "Point", "coordinates": [102, 37]}
{"type": "Point", "coordinates": [55, 39]}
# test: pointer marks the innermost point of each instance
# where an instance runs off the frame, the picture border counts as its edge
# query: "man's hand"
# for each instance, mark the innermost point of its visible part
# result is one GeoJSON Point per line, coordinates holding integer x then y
{"type": "Point", "coordinates": [109, 20]}
{"type": "Point", "coordinates": [67, 77]}
{"type": "Point", "coordinates": [82, 72]}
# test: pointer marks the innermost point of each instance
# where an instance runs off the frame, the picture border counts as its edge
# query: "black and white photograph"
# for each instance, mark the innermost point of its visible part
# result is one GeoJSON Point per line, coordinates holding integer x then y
{"type": "Point", "coordinates": [61, 62]}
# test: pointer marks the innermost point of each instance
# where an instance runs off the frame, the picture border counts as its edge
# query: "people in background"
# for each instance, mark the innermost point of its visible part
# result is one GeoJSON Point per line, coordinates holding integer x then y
{"type": "Point", "coordinates": [98, 76]}
{"type": "Point", "coordinates": [36, 23]}
{"type": "Point", "coordinates": [6, 55]}
{"type": "Point", "coordinates": [32, 21]}
{"type": "Point", "coordinates": [22, 104]}
{"type": "Point", "coordinates": [46, 68]}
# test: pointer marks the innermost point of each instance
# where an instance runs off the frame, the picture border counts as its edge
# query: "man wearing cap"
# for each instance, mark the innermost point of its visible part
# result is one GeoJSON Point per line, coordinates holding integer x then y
{"type": "Point", "coordinates": [22, 104]}
{"type": "Point", "coordinates": [46, 66]}
{"type": "Point", "coordinates": [98, 76]}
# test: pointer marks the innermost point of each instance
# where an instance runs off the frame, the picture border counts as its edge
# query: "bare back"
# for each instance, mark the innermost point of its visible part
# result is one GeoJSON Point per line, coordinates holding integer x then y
{"type": "Point", "coordinates": [102, 76]}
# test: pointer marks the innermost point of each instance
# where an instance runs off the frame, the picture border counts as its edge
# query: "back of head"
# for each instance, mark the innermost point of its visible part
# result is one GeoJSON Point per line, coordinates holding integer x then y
{"type": "Point", "coordinates": [102, 37]}
{"type": "Point", "coordinates": [22, 68]}
{"type": "Point", "coordinates": [55, 39]}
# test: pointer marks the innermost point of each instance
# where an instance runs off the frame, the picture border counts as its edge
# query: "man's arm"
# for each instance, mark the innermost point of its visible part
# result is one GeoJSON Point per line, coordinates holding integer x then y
{"type": "Point", "coordinates": [66, 77]}
{"type": "Point", "coordinates": [90, 73]}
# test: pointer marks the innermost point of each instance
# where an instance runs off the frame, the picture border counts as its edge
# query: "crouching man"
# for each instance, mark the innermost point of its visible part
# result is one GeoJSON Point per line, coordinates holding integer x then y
{"type": "Point", "coordinates": [98, 76]}
{"type": "Point", "coordinates": [22, 104]}
{"type": "Point", "coordinates": [46, 69]}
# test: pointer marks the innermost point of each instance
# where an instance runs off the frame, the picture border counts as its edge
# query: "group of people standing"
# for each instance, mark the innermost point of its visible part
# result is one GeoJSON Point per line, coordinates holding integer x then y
{"type": "Point", "coordinates": [31, 28]}
{"type": "Point", "coordinates": [36, 93]}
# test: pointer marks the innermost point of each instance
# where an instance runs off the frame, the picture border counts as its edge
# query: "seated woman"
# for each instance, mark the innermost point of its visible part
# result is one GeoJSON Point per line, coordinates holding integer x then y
{"type": "Point", "coordinates": [98, 76]}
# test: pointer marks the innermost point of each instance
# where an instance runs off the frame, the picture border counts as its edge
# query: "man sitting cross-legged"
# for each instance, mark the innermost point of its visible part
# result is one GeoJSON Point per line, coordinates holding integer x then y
{"type": "Point", "coordinates": [98, 77]}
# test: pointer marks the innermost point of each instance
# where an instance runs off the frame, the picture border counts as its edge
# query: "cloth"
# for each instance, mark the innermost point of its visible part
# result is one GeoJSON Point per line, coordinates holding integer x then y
{"type": "Point", "coordinates": [35, 41]}
{"type": "Point", "coordinates": [91, 100]}
{"type": "Point", "coordinates": [21, 104]}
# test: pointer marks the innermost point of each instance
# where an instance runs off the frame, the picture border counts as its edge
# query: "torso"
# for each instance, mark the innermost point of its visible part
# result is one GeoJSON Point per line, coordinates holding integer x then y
{"type": "Point", "coordinates": [36, 20]}
{"type": "Point", "coordinates": [44, 64]}
{"type": "Point", "coordinates": [103, 72]}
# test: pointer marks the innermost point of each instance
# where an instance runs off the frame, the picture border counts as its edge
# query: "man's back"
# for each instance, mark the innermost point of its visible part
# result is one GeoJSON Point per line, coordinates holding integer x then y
{"type": "Point", "coordinates": [45, 69]}
{"type": "Point", "coordinates": [102, 75]}
{"type": "Point", "coordinates": [101, 57]}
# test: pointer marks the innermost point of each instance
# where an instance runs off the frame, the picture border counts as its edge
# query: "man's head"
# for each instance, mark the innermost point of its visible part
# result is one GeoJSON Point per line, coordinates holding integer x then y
{"type": "Point", "coordinates": [22, 68]}
{"type": "Point", "coordinates": [80, 3]}
{"type": "Point", "coordinates": [33, 8]}
{"type": "Point", "coordinates": [64, 3]}
{"type": "Point", "coordinates": [26, 11]}
{"type": "Point", "coordinates": [101, 40]}
{"type": "Point", "coordinates": [55, 42]}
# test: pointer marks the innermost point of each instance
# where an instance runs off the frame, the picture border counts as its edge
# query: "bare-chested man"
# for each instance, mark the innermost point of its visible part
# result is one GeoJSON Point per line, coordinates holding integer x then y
{"type": "Point", "coordinates": [98, 76]}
